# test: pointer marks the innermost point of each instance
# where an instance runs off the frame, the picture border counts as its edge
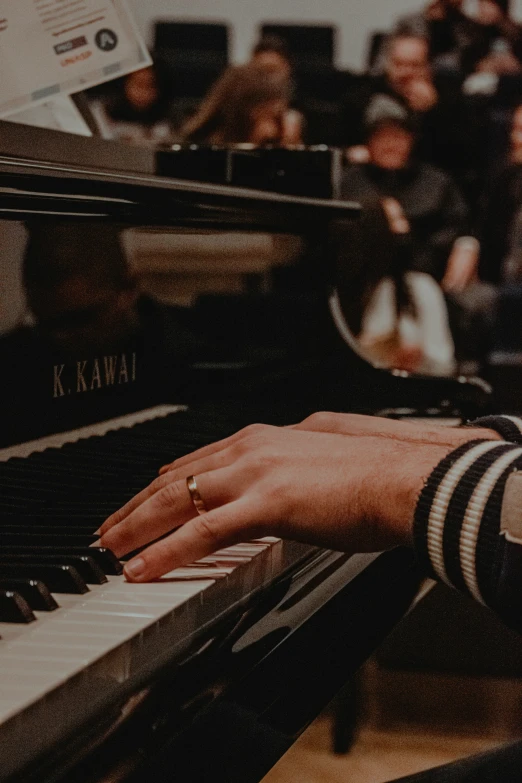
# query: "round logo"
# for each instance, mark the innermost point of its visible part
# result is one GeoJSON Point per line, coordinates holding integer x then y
{"type": "Point", "coordinates": [106, 40]}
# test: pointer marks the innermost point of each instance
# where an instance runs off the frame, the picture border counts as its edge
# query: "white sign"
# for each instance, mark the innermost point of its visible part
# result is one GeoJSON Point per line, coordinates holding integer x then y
{"type": "Point", "coordinates": [58, 47]}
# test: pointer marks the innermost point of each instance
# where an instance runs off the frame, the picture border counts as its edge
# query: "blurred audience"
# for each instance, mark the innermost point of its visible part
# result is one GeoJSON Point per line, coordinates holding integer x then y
{"type": "Point", "coordinates": [141, 112]}
{"type": "Point", "coordinates": [425, 131]}
{"type": "Point", "coordinates": [250, 104]}
{"type": "Point", "coordinates": [446, 137]}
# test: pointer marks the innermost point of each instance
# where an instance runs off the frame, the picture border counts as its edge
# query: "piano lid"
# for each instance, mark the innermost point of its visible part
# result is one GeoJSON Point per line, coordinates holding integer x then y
{"type": "Point", "coordinates": [50, 173]}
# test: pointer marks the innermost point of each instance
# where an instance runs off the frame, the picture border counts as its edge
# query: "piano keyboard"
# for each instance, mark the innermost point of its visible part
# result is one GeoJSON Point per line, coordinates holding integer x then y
{"type": "Point", "coordinates": [71, 629]}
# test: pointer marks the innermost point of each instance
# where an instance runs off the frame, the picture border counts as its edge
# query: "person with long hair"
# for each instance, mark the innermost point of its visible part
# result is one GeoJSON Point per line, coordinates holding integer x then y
{"type": "Point", "coordinates": [247, 105]}
{"type": "Point", "coordinates": [140, 112]}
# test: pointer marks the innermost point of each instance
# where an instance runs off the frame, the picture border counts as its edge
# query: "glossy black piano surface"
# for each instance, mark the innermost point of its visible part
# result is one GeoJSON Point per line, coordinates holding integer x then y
{"type": "Point", "coordinates": [218, 685]}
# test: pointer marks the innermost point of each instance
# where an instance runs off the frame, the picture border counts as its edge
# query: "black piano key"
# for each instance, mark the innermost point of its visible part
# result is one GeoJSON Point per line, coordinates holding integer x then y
{"type": "Point", "coordinates": [57, 578]}
{"type": "Point", "coordinates": [14, 608]}
{"type": "Point", "coordinates": [105, 559]}
{"type": "Point", "coordinates": [53, 518]}
{"type": "Point", "coordinates": [46, 530]}
{"type": "Point", "coordinates": [86, 566]}
{"type": "Point", "coordinates": [45, 539]}
{"type": "Point", "coordinates": [35, 593]}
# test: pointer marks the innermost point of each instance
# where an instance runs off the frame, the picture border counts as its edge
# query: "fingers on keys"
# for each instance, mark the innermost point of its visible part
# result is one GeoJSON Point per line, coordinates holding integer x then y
{"type": "Point", "coordinates": [164, 508]}
{"type": "Point", "coordinates": [203, 535]}
{"type": "Point", "coordinates": [179, 474]}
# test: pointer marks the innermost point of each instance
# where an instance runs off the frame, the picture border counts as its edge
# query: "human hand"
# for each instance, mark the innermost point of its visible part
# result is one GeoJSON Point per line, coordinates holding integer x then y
{"type": "Point", "coordinates": [420, 94]}
{"type": "Point", "coordinates": [397, 220]}
{"type": "Point", "coordinates": [358, 426]}
{"type": "Point", "coordinates": [462, 268]}
{"type": "Point", "coordinates": [352, 493]}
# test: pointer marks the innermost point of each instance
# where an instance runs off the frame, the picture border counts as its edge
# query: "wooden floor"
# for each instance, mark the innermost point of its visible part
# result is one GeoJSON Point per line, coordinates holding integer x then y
{"type": "Point", "coordinates": [377, 757]}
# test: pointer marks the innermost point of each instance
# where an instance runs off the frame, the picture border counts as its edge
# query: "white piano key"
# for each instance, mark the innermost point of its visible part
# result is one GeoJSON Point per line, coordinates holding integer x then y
{"type": "Point", "coordinates": [108, 634]}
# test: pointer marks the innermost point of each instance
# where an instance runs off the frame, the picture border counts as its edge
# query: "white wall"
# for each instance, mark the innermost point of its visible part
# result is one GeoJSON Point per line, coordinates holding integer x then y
{"type": "Point", "coordinates": [356, 19]}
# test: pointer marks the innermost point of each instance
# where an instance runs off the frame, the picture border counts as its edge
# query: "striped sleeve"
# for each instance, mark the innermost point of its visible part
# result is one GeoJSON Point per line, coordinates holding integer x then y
{"type": "Point", "coordinates": [457, 524]}
{"type": "Point", "coordinates": [508, 427]}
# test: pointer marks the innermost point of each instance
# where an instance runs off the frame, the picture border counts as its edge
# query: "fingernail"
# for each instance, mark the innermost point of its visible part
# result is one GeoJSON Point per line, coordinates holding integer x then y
{"type": "Point", "coordinates": [96, 543]}
{"type": "Point", "coordinates": [97, 532]}
{"type": "Point", "coordinates": [135, 568]}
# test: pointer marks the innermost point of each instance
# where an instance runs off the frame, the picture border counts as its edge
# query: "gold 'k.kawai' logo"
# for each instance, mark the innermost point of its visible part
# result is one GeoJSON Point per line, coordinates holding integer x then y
{"type": "Point", "coordinates": [90, 375]}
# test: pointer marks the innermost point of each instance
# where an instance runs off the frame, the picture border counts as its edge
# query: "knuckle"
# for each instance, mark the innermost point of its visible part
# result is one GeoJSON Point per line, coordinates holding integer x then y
{"type": "Point", "coordinates": [321, 420]}
{"type": "Point", "coordinates": [254, 429]}
{"type": "Point", "coordinates": [252, 438]}
{"type": "Point", "coordinates": [169, 495]}
{"type": "Point", "coordinates": [204, 529]}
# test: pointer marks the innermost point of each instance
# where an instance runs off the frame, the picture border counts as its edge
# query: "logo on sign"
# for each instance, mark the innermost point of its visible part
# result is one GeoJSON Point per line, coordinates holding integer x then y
{"type": "Point", "coordinates": [68, 46]}
{"type": "Point", "coordinates": [106, 40]}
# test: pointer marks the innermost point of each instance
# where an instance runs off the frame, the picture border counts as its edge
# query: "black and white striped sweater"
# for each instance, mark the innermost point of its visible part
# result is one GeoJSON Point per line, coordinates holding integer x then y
{"type": "Point", "coordinates": [468, 520]}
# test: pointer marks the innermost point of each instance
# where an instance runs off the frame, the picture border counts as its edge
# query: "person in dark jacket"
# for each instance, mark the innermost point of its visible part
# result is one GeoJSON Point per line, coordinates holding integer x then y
{"type": "Point", "coordinates": [446, 132]}
{"type": "Point", "coordinates": [432, 203]}
{"type": "Point", "coordinates": [460, 43]}
{"type": "Point", "coordinates": [437, 217]}
{"type": "Point", "coordinates": [502, 203]}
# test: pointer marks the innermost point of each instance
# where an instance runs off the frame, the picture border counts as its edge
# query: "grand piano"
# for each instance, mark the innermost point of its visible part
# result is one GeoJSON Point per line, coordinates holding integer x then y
{"type": "Point", "coordinates": [211, 673]}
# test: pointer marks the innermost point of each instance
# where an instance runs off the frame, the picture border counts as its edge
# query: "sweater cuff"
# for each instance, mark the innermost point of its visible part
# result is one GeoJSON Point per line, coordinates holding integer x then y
{"type": "Point", "coordinates": [457, 518]}
{"type": "Point", "coordinates": [508, 427]}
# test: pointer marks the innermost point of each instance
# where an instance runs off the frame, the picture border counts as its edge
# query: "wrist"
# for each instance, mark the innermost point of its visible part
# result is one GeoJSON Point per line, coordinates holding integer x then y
{"type": "Point", "coordinates": [457, 517]}
{"type": "Point", "coordinates": [402, 484]}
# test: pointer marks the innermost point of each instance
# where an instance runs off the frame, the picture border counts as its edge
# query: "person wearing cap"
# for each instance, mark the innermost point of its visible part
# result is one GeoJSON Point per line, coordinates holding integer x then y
{"type": "Point", "coordinates": [445, 133]}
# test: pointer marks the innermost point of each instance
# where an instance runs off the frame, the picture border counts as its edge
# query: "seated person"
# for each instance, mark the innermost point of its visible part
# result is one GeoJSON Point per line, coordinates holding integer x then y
{"type": "Point", "coordinates": [432, 204]}
{"type": "Point", "coordinates": [249, 104]}
{"type": "Point", "coordinates": [498, 48]}
{"type": "Point", "coordinates": [491, 41]}
{"type": "Point", "coordinates": [501, 204]}
{"type": "Point", "coordinates": [272, 52]}
{"type": "Point", "coordinates": [446, 136]}
{"type": "Point", "coordinates": [140, 113]}
{"type": "Point", "coordinates": [95, 347]}
{"type": "Point", "coordinates": [449, 31]}
{"type": "Point", "coordinates": [435, 216]}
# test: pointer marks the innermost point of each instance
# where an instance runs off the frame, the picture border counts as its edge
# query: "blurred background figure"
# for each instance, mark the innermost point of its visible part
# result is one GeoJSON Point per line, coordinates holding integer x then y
{"type": "Point", "coordinates": [141, 112]}
{"type": "Point", "coordinates": [501, 237]}
{"type": "Point", "coordinates": [490, 41]}
{"type": "Point", "coordinates": [249, 104]}
{"type": "Point", "coordinates": [498, 48]}
{"type": "Point", "coordinates": [448, 30]}
{"type": "Point", "coordinates": [435, 225]}
{"type": "Point", "coordinates": [446, 133]}
{"type": "Point", "coordinates": [272, 52]}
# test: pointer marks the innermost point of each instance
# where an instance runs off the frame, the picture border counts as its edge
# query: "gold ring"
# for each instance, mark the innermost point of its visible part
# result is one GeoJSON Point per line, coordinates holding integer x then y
{"type": "Point", "coordinates": [199, 503]}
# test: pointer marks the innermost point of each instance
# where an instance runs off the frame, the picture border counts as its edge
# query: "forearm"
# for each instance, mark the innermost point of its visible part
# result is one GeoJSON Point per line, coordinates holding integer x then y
{"type": "Point", "coordinates": [468, 526]}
